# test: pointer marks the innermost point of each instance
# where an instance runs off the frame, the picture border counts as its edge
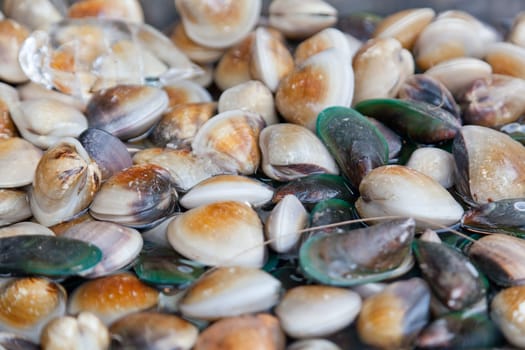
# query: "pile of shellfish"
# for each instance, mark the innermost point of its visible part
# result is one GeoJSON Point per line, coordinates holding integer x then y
{"type": "Point", "coordinates": [346, 180]}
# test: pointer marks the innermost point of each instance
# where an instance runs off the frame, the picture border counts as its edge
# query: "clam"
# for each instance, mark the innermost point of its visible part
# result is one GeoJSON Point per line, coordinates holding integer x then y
{"type": "Point", "coordinates": [405, 25]}
{"type": "Point", "coordinates": [313, 344]}
{"type": "Point", "coordinates": [270, 59]}
{"type": "Point", "coordinates": [222, 234]}
{"type": "Point", "coordinates": [85, 331]}
{"type": "Point", "coordinates": [25, 228]}
{"type": "Point", "coordinates": [252, 96]}
{"type": "Point", "coordinates": [218, 25]}
{"type": "Point", "coordinates": [434, 162]}
{"type": "Point", "coordinates": [7, 127]}
{"type": "Point", "coordinates": [486, 32]}
{"type": "Point", "coordinates": [230, 291]}
{"type": "Point", "coordinates": [482, 155]}
{"type": "Point", "coordinates": [120, 245]}
{"type": "Point", "coordinates": [494, 101]}
{"type": "Point", "coordinates": [27, 304]}
{"type": "Point", "coordinates": [517, 31]}
{"type": "Point", "coordinates": [44, 122]}
{"type": "Point", "coordinates": [34, 14]}
{"type": "Point", "coordinates": [31, 90]}
{"type": "Point", "coordinates": [179, 124]}
{"type": "Point", "coordinates": [153, 330]}
{"type": "Point", "coordinates": [507, 313]}
{"type": "Point", "coordinates": [458, 74]}
{"type": "Point", "coordinates": [356, 144]}
{"type": "Point", "coordinates": [396, 190]}
{"type": "Point", "coordinates": [14, 206]}
{"type": "Point", "coordinates": [284, 224]}
{"type": "Point", "coordinates": [64, 184]}
{"type": "Point", "coordinates": [300, 19]}
{"type": "Point", "coordinates": [110, 154]}
{"type": "Point", "coordinates": [186, 91]}
{"type": "Point", "coordinates": [112, 297]}
{"type": "Point", "coordinates": [325, 79]}
{"type": "Point", "coordinates": [314, 311]}
{"type": "Point", "coordinates": [393, 317]}
{"type": "Point", "coordinates": [350, 258]}
{"type": "Point", "coordinates": [506, 58]}
{"type": "Point", "coordinates": [256, 332]}
{"type": "Point", "coordinates": [18, 161]}
{"type": "Point", "coordinates": [196, 52]}
{"type": "Point", "coordinates": [136, 197]}
{"type": "Point", "coordinates": [381, 66]}
{"type": "Point", "coordinates": [127, 10]}
{"type": "Point", "coordinates": [185, 168]}
{"type": "Point", "coordinates": [12, 35]}
{"type": "Point", "coordinates": [126, 111]}
{"type": "Point", "coordinates": [234, 66]}
{"type": "Point", "coordinates": [230, 139]}
{"type": "Point", "coordinates": [290, 151]}
{"type": "Point", "coordinates": [228, 187]}
{"type": "Point", "coordinates": [325, 39]}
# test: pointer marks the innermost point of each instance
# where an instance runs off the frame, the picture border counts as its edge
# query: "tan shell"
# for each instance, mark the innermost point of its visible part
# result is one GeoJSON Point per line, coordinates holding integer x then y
{"type": "Point", "coordinates": [405, 25]}
{"type": "Point", "coordinates": [186, 91]}
{"type": "Point", "coordinates": [507, 58]}
{"type": "Point", "coordinates": [34, 14]}
{"type": "Point", "coordinates": [7, 127]}
{"type": "Point", "coordinates": [14, 206]}
{"type": "Point", "coordinates": [126, 10]}
{"type": "Point", "coordinates": [325, 39]}
{"type": "Point", "coordinates": [31, 90]}
{"type": "Point", "coordinates": [254, 332]}
{"type": "Point", "coordinates": [381, 66]}
{"type": "Point", "coordinates": [218, 24]}
{"type": "Point", "coordinates": [27, 304]}
{"type": "Point", "coordinates": [25, 228]}
{"type": "Point", "coordinates": [195, 52]}
{"type": "Point", "coordinates": [270, 59]}
{"type": "Point", "coordinates": [219, 234]}
{"type": "Point", "coordinates": [508, 313]}
{"type": "Point", "coordinates": [234, 66]}
{"type": "Point", "coordinates": [517, 32]}
{"type": "Point", "coordinates": [18, 161]}
{"type": "Point", "coordinates": [231, 140]}
{"type": "Point", "coordinates": [66, 180]}
{"type": "Point", "coordinates": [325, 79]}
{"type": "Point", "coordinates": [230, 291]}
{"type": "Point", "coordinates": [12, 35]}
{"type": "Point", "coordinates": [112, 297]}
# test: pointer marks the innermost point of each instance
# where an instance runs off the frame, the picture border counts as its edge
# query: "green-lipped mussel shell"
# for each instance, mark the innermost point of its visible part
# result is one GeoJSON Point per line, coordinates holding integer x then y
{"type": "Point", "coordinates": [355, 143]}
{"type": "Point", "coordinates": [46, 255]}
{"type": "Point", "coordinates": [450, 275]}
{"type": "Point", "coordinates": [503, 216]}
{"type": "Point", "coordinates": [419, 121]}
{"type": "Point", "coordinates": [359, 256]}
{"type": "Point", "coordinates": [329, 212]}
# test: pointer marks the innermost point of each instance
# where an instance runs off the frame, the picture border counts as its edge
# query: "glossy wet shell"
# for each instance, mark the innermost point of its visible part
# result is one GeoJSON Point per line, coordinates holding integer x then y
{"type": "Point", "coordinates": [221, 233]}
{"type": "Point", "coordinates": [14, 206]}
{"type": "Point", "coordinates": [18, 161]}
{"type": "Point", "coordinates": [507, 312]}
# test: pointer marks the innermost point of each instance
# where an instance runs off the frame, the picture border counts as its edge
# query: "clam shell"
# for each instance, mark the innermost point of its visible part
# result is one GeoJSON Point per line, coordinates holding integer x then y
{"type": "Point", "coordinates": [27, 304]}
{"type": "Point", "coordinates": [120, 245]}
{"type": "Point", "coordinates": [517, 31]}
{"type": "Point", "coordinates": [230, 291]}
{"type": "Point", "coordinates": [218, 25]}
{"type": "Point", "coordinates": [290, 151]}
{"type": "Point", "coordinates": [112, 297]}
{"type": "Point", "coordinates": [221, 234]}
{"type": "Point", "coordinates": [65, 182]}
{"type": "Point", "coordinates": [185, 168]}
{"type": "Point", "coordinates": [44, 122]}
{"type": "Point", "coordinates": [230, 139]}
{"type": "Point", "coordinates": [25, 228]}
{"type": "Point", "coordinates": [196, 52]}
{"type": "Point", "coordinates": [329, 81]}
{"type": "Point", "coordinates": [18, 161]}
{"type": "Point", "coordinates": [31, 90]}
{"type": "Point", "coordinates": [153, 331]}
{"type": "Point", "coordinates": [136, 196]}
{"type": "Point", "coordinates": [325, 39]}
{"type": "Point", "coordinates": [252, 96]}
{"type": "Point", "coordinates": [381, 66]}
{"type": "Point", "coordinates": [186, 91]}
{"type": "Point", "coordinates": [14, 206]}
{"type": "Point", "coordinates": [234, 66]}
{"type": "Point", "coordinates": [128, 10]}
{"type": "Point", "coordinates": [395, 190]}
{"type": "Point", "coordinates": [507, 313]}
{"type": "Point", "coordinates": [314, 311]}
{"type": "Point", "coordinates": [270, 59]}
{"type": "Point", "coordinates": [225, 188]}
{"type": "Point", "coordinates": [506, 58]}
{"type": "Point", "coordinates": [285, 222]}
{"type": "Point", "coordinates": [12, 35]}
{"type": "Point", "coordinates": [300, 19]}
{"type": "Point", "coordinates": [126, 111]}
{"type": "Point", "coordinates": [435, 163]}
{"type": "Point", "coordinates": [83, 332]}
{"type": "Point", "coordinates": [35, 14]}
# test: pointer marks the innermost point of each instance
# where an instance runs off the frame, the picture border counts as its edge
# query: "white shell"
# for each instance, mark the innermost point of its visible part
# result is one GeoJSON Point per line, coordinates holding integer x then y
{"type": "Point", "coordinates": [506, 58]}
{"type": "Point", "coordinates": [14, 207]}
{"type": "Point", "coordinates": [228, 187]}
{"type": "Point", "coordinates": [18, 161]}
{"type": "Point", "coordinates": [325, 39]}
{"type": "Point", "coordinates": [313, 344]}
{"type": "Point", "coordinates": [230, 291]}
{"type": "Point", "coordinates": [434, 162]}
{"type": "Point", "coordinates": [252, 96]}
{"type": "Point", "coordinates": [188, 92]}
{"type": "Point", "coordinates": [285, 222]}
{"type": "Point", "coordinates": [35, 14]}
{"type": "Point", "coordinates": [313, 311]}
{"type": "Point", "coordinates": [290, 151]}
{"type": "Point", "coordinates": [25, 228]}
{"type": "Point", "coordinates": [395, 190]}
{"type": "Point", "coordinates": [219, 234]}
